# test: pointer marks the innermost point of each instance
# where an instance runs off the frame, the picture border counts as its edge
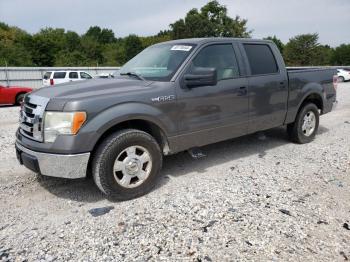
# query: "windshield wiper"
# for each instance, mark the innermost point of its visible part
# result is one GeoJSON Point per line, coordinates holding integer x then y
{"type": "Point", "coordinates": [133, 74]}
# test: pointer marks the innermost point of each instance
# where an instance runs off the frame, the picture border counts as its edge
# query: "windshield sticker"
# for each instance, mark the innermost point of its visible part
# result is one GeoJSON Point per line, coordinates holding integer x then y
{"type": "Point", "coordinates": [185, 48]}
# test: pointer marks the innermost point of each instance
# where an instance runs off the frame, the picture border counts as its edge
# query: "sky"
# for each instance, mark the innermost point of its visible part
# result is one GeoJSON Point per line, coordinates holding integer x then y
{"type": "Point", "coordinates": [283, 18]}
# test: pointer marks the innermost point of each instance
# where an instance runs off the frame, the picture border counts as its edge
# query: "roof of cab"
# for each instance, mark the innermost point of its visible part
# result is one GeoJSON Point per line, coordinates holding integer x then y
{"type": "Point", "coordinates": [212, 39]}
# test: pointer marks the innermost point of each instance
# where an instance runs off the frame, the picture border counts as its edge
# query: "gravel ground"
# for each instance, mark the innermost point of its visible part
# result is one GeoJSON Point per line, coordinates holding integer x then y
{"type": "Point", "coordinates": [254, 198]}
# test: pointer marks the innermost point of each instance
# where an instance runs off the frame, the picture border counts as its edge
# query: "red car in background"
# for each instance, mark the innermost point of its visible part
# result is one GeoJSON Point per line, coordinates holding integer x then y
{"type": "Point", "coordinates": [13, 95]}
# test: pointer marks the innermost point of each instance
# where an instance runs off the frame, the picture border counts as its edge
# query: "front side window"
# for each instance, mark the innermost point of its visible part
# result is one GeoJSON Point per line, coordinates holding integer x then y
{"type": "Point", "coordinates": [59, 75]}
{"type": "Point", "coordinates": [221, 57]}
{"type": "Point", "coordinates": [261, 59]}
{"type": "Point", "coordinates": [84, 75]}
{"type": "Point", "coordinates": [73, 75]}
{"type": "Point", "coordinates": [158, 62]}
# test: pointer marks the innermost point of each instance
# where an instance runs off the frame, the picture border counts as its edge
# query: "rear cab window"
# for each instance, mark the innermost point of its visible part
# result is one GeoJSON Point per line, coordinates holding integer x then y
{"type": "Point", "coordinates": [47, 75]}
{"type": "Point", "coordinates": [59, 75]}
{"type": "Point", "coordinates": [261, 59]}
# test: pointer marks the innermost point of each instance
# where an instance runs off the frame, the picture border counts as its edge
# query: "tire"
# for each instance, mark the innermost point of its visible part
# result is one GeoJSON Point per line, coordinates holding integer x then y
{"type": "Point", "coordinates": [19, 99]}
{"type": "Point", "coordinates": [300, 133]}
{"type": "Point", "coordinates": [341, 79]}
{"type": "Point", "coordinates": [127, 164]}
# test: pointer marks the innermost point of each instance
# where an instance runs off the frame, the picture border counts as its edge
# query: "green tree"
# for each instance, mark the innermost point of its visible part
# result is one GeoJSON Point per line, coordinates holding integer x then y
{"type": "Point", "coordinates": [13, 46]}
{"type": "Point", "coordinates": [103, 36]}
{"type": "Point", "coordinates": [211, 21]}
{"type": "Point", "coordinates": [113, 54]}
{"type": "Point", "coordinates": [324, 55]}
{"type": "Point", "coordinates": [93, 32]}
{"type": "Point", "coordinates": [46, 44]}
{"type": "Point", "coordinates": [302, 50]}
{"type": "Point", "coordinates": [106, 36]}
{"type": "Point", "coordinates": [72, 41]}
{"type": "Point", "coordinates": [92, 49]}
{"type": "Point", "coordinates": [132, 46]}
{"type": "Point", "coordinates": [72, 58]}
{"type": "Point", "coordinates": [341, 55]}
{"type": "Point", "coordinates": [277, 41]}
{"type": "Point", "coordinates": [151, 40]}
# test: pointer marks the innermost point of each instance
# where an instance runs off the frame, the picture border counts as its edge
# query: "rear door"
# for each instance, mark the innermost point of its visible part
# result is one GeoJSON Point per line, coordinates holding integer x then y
{"type": "Point", "coordinates": [267, 85]}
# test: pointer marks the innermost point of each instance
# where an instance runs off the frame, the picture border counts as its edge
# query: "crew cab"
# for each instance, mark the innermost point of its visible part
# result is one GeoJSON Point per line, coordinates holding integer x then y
{"type": "Point", "coordinates": [13, 95]}
{"type": "Point", "coordinates": [58, 77]}
{"type": "Point", "coordinates": [173, 96]}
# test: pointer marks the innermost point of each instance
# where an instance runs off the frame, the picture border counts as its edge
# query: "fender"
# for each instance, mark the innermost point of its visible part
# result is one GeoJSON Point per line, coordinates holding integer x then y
{"type": "Point", "coordinates": [297, 98]}
{"type": "Point", "coordinates": [126, 112]}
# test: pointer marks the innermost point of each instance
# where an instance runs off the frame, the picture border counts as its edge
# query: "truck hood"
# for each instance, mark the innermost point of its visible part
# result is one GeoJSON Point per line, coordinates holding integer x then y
{"type": "Point", "coordinates": [90, 88]}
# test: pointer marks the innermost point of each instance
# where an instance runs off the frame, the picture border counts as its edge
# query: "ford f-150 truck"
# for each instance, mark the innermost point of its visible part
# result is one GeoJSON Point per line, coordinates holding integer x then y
{"type": "Point", "coordinates": [173, 96]}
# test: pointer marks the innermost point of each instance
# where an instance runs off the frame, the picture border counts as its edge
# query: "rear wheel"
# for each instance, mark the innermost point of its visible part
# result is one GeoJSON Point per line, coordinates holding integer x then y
{"type": "Point", "coordinates": [19, 99]}
{"type": "Point", "coordinates": [341, 79]}
{"type": "Point", "coordinates": [305, 127]}
{"type": "Point", "coordinates": [126, 165]}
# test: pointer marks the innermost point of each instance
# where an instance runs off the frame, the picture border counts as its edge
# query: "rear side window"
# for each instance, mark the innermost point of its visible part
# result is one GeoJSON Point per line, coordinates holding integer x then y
{"type": "Point", "coordinates": [47, 75]}
{"type": "Point", "coordinates": [261, 59]}
{"type": "Point", "coordinates": [73, 75]}
{"type": "Point", "coordinates": [59, 75]}
{"type": "Point", "coordinates": [85, 75]}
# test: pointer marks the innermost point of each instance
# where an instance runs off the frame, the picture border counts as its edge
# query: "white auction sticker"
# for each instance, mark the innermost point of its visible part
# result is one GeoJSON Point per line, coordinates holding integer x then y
{"type": "Point", "coordinates": [185, 48]}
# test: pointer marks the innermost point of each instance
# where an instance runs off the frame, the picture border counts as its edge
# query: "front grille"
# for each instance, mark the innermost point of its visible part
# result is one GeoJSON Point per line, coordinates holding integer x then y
{"type": "Point", "coordinates": [31, 117]}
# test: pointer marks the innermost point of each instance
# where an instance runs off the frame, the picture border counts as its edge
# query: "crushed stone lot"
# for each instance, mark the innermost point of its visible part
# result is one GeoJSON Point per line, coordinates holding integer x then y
{"type": "Point", "coordinates": [258, 197]}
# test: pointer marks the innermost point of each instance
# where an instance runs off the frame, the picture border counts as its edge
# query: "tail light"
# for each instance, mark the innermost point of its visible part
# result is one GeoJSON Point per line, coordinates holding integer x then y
{"type": "Point", "coordinates": [335, 82]}
{"type": "Point", "coordinates": [51, 82]}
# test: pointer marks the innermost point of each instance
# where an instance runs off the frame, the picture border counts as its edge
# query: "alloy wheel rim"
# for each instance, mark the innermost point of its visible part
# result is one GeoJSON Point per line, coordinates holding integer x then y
{"type": "Point", "coordinates": [132, 166]}
{"type": "Point", "coordinates": [309, 123]}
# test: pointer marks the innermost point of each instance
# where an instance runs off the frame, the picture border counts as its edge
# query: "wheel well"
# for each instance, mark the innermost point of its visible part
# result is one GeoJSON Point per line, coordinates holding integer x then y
{"type": "Point", "coordinates": [18, 94]}
{"type": "Point", "coordinates": [315, 99]}
{"type": "Point", "coordinates": [142, 125]}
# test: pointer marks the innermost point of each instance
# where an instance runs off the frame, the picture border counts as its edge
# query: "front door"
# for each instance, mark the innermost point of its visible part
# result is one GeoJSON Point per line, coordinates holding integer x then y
{"type": "Point", "coordinates": [209, 114]}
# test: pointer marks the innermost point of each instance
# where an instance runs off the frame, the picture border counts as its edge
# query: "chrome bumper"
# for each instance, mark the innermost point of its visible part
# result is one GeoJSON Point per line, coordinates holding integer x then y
{"type": "Point", "coordinates": [55, 165]}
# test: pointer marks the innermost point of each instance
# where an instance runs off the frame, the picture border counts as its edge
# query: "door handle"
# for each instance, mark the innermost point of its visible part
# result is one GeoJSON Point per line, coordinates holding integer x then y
{"type": "Point", "coordinates": [242, 91]}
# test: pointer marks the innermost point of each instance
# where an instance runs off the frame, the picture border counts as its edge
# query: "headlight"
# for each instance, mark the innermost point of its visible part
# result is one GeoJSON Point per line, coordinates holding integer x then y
{"type": "Point", "coordinates": [62, 123]}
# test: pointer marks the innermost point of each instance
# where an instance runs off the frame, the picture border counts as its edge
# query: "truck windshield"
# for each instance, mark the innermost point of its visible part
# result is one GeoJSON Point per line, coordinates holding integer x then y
{"type": "Point", "coordinates": [158, 62]}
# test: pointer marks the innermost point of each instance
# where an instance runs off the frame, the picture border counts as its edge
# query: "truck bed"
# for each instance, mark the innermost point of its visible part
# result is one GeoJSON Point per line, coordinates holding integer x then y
{"type": "Point", "coordinates": [303, 78]}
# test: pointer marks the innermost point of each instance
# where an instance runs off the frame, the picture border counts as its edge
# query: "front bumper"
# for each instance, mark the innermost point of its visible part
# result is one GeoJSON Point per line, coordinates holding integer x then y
{"type": "Point", "coordinates": [55, 165]}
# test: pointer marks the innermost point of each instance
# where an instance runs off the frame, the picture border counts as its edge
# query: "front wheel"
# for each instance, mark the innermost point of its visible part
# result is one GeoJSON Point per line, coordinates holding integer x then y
{"type": "Point", "coordinates": [126, 164]}
{"type": "Point", "coordinates": [19, 99]}
{"type": "Point", "coordinates": [305, 127]}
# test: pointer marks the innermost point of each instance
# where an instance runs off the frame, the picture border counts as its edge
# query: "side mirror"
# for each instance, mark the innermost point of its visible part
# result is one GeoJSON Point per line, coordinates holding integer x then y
{"type": "Point", "coordinates": [201, 76]}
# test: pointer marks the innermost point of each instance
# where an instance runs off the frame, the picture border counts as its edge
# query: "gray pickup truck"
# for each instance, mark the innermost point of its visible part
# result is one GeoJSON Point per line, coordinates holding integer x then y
{"type": "Point", "coordinates": [173, 96]}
